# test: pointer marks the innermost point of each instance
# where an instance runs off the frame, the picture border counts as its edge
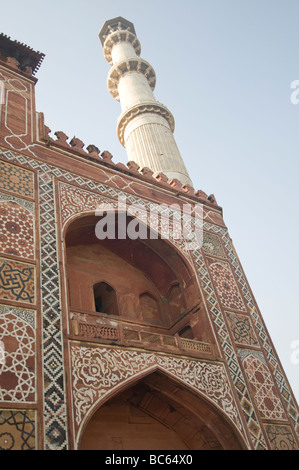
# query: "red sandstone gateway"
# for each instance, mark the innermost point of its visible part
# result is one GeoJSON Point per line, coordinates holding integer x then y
{"type": "Point", "coordinates": [122, 343]}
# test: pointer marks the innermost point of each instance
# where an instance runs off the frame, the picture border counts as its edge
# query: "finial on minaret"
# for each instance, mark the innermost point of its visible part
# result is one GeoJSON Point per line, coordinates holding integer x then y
{"type": "Point", "coordinates": [145, 127]}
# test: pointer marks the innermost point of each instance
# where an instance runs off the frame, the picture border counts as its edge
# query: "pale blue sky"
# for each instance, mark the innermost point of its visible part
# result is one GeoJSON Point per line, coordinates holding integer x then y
{"type": "Point", "coordinates": [224, 69]}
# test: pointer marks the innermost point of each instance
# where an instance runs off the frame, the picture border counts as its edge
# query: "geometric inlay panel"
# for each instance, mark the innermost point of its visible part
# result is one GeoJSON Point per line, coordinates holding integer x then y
{"type": "Point", "coordinates": [17, 429]}
{"type": "Point", "coordinates": [262, 385]}
{"type": "Point", "coordinates": [265, 340]}
{"type": "Point", "coordinates": [226, 286]}
{"type": "Point", "coordinates": [55, 415]}
{"type": "Point", "coordinates": [281, 437]}
{"type": "Point", "coordinates": [211, 245]}
{"type": "Point", "coordinates": [17, 281]}
{"type": "Point", "coordinates": [17, 364]}
{"type": "Point", "coordinates": [16, 227]}
{"type": "Point", "coordinates": [241, 328]}
{"type": "Point", "coordinates": [17, 180]}
{"type": "Point", "coordinates": [230, 354]}
{"type": "Point", "coordinates": [77, 201]}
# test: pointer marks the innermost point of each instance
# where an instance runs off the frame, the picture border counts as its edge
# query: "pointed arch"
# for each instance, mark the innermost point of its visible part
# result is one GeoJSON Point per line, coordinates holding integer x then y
{"type": "Point", "coordinates": [160, 260]}
{"type": "Point", "coordinates": [171, 402]}
{"type": "Point", "coordinates": [76, 217]}
{"type": "Point", "coordinates": [95, 380]}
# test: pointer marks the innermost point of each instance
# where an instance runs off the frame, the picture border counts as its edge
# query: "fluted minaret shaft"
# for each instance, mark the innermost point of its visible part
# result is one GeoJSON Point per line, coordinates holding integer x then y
{"type": "Point", "coordinates": [145, 127]}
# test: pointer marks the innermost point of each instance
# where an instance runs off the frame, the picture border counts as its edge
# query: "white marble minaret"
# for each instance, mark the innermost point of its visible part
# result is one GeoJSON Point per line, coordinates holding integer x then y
{"type": "Point", "coordinates": [145, 127]}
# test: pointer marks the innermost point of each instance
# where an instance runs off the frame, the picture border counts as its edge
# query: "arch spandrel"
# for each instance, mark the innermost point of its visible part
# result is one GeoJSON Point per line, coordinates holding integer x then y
{"type": "Point", "coordinates": [100, 373]}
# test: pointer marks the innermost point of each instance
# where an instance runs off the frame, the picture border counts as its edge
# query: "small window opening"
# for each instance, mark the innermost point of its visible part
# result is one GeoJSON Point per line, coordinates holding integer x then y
{"type": "Point", "coordinates": [186, 332]}
{"type": "Point", "coordinates": [105, 299]}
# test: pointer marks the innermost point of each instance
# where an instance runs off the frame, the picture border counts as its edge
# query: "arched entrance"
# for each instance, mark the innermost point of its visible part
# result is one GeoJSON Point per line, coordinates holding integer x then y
{"type": "Point", "coordinates": [158, 413]}
{"type": "Point", "coordinates": [146, 281]}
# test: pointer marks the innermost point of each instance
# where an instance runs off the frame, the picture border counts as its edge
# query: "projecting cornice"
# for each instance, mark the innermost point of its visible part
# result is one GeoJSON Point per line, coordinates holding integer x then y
{"type": "Point", "coordinates": [25, 59]}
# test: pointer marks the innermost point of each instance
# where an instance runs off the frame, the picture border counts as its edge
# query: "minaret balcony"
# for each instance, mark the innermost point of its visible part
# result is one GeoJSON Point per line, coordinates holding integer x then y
{"type": "Point", "coordinates": [134, 64]}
